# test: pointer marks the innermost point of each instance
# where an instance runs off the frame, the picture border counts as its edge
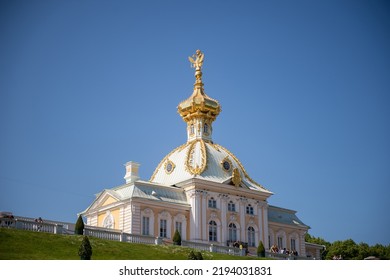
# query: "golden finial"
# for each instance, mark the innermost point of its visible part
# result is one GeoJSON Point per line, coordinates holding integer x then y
{"type": "Point", "coordinates": [198, 62]}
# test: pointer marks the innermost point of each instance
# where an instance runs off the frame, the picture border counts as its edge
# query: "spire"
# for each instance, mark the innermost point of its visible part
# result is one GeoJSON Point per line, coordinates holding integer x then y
{"type": "Point", "coordinates": [199, 110]}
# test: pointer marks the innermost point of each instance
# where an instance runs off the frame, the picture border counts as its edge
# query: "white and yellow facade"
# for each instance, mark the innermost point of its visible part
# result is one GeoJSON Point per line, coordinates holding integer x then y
{"type": "Point", "coordinates": [201, 189]}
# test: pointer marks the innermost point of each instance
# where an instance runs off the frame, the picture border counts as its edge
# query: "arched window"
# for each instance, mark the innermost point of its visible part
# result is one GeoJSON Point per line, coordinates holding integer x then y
{"type": "Point", "coordinates": [251, 237]}
{"type": "Point", "coordinates": [249, 209]}
{"type": "Point", "coordinates": [212, 231]}
{"type": "Point", "coordinates": [231, 206]}
{"type": "Point", "coordinates": [108, 220]}
{"type": "Point", "coordinates": [205, 128]}
{"type": "Point", "coordinates": [232, 232]}
{"type": "Point", "coordinates": [212, 203]}
{"type": "Point", "coordinates": [192, 129]}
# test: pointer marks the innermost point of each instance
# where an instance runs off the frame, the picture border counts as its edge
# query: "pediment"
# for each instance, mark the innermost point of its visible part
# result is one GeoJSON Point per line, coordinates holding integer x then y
{"type": "Point", "coordinates": [105, 198]}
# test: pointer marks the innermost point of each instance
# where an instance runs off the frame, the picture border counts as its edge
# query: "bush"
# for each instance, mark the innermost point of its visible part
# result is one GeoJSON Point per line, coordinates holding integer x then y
{"type": "Point", "coordinates": [261, 250]}
{"type": "Point", "coordinates": [85, 249]}
{"type": "Point", "coordinates": [79, 227]}
{"type": "Point", "coordinates": [195, 256]}
{"type": "Point", "coordinates": [198, 256]}
{"type": "Point", "coordinates": [176, 238]}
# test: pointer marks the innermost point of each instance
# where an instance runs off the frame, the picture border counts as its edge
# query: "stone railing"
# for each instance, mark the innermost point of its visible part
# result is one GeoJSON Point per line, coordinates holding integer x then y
{"type": "Point", "coordinates": [118, 235]}
{"type": "Point", "coordinates": [285, 256]}
{"type": "Point", "coordinates": [103, 233]}
{"type": "Point", "coordinates": [141, 239]}
{"type": "Point", "coordinates": [214, 248]}
{"type": "Point", "coordinates": [30, 224]}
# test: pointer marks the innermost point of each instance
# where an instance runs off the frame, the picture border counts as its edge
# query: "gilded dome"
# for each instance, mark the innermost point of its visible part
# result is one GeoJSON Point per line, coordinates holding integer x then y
{"type": "Point", "coordinates": [200, 157]}
{"type": "Point", "coordinates": [204, 160]}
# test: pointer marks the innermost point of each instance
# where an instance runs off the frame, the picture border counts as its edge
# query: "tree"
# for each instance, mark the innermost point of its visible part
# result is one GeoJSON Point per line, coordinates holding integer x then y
{"type": "Point", "coordinates": [85, 249]}
{"type": "Point", "coordinates": [79, 227]}
{"type": "Point", "coordinates": [261, 250]}
{"type": "Point", "coordinates": [176, 238]}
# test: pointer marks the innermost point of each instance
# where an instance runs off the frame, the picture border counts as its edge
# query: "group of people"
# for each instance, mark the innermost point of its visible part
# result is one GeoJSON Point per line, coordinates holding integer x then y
{"type": "Point", "coordinates": [275, 249]}
{"type": "Point", "coordinates": [339, 257]}
{"type": "Point", "coordinates": [37, 226]}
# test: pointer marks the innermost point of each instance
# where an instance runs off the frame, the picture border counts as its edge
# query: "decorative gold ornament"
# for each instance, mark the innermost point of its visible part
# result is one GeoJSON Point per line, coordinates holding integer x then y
{"type": "Point", "coordinates": [190, 164]}
{"type": "Point", "coordinates": [198, 62]}
{"type": "Point", "coordinates": [236, 177]}
{"type": "Point", "coordinates": [165, 159]}
{"type": "Point", "coordinates": [169, 166]}
{"type": "Point", "coordinates": [240, 165]}
{"type": "Point", "coordinates": [198, 105]}
{"type": "Point", "coordinates": [226, 164]}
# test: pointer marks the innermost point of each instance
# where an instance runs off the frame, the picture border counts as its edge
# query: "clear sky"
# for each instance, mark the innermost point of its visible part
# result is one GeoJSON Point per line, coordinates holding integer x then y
{"type": "Point", "coordinates": [86, 86]}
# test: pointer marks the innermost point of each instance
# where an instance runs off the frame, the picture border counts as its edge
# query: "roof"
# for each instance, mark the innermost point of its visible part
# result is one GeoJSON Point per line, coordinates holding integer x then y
{"type": "Point", "coordinates": [284, 216]}
{"type": "Point", "coordinates": [204, 160]}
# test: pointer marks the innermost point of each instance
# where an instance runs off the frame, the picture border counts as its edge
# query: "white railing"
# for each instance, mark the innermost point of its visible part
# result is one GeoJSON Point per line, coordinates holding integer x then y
{"type": "Point", "coordinates": [214, 248]}
{"type": "Point", "coordinates": [31, 225]}
{"type": "Point", "coordinates": [285, 256]}
{"type": "Point", "coordinates": [196, 245]}
{"type": "Point", "coordinates": [141, 239]}
{"type": "Point", "coordinates": [103, 233]}
{"type": "Point", "coordinates": [118, 235]}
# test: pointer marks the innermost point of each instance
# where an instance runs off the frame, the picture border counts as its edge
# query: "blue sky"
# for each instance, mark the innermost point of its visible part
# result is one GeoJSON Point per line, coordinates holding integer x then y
{"type": "Point", "coordinates": [86, 86]}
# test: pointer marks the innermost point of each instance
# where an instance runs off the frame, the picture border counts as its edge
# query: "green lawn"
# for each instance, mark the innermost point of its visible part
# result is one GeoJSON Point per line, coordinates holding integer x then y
{"type": "Point", "coordinates": [27, 245]}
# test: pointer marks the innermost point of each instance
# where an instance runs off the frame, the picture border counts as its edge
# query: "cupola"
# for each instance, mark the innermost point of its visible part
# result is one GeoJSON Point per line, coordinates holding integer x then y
{"type": "Point", "coordinates": [199, 110]}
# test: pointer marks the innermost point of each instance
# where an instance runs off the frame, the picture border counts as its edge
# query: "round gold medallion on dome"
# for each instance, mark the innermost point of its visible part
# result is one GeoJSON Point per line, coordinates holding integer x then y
{"type": "Point", "coordinates": [169, 166]}
{"type": "Point", "coordinates": [226, 164]}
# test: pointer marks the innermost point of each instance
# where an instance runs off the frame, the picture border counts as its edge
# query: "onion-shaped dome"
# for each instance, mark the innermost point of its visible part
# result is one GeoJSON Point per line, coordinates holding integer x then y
{"type": "Point", "coordinates": [200, 157]}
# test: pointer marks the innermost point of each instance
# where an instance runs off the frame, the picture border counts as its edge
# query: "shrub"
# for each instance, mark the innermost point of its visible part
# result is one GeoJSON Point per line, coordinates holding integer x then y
{"type": "Point", "coordinates": [195, 256]}
{"type": "Point", "coordinates": [198, 256]}
{"type": "Point", "coordinates": [176, 238]}
{"type": "Point", "coordinates": [261, 250]}
{"type": "Point", "coordinates": [79, 227]}
{"type": "Point", "coordinates": [85, 249]}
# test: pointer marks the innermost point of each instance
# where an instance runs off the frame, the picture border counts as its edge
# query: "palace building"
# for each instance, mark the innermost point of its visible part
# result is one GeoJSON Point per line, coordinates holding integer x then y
{"type": "Point", "coordinates": [200, 189]}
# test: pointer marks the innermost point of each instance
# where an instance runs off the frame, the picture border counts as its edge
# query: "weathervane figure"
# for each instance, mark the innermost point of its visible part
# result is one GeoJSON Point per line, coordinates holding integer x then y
{"type": "Point", "coordinates": [198, 62]}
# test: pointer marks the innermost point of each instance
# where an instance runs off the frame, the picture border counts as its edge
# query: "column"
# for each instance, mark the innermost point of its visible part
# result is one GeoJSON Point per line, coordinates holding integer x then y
{"type": "Point", "coordinates": [265, 225]}
{"type": "Point", "coordinates": [204, 216]}
{"type": "Point", "coordinates": [224, 199]}
{"type": "Point", "coordinates": [243, 202]}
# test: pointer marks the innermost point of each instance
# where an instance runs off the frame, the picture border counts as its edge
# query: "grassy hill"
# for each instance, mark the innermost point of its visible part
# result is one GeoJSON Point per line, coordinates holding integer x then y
{"type": "Point", "coordinates": [27, 245]}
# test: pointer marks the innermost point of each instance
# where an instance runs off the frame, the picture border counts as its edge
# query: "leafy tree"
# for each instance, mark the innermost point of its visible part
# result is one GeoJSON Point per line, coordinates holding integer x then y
{"type": "Point", "coordinates": [85, 249]}
{"type": "Point", "coordinates": [79, 227]}
{"type": "Point", "coordinates": [349, 250]}
{"type": "Point", "coordinates": [176, 238]}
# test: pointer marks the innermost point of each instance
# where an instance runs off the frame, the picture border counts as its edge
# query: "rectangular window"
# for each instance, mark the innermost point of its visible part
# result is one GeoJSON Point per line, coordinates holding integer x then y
{"type": "Point", "coordinates": [249, 210]}
{"type": "Point", "coordinates": [145, 225]}
{"type": "Point", "coordinates": [231, 207]}
{"type": "Point", "coordinates": [163, 228]}
{"type": "Point", "coordinates": [212, 203]}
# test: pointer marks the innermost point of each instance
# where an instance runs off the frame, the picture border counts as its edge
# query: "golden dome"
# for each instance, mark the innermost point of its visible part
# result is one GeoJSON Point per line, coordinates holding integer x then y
{"type": "Point", "coordinates": [199, 104]}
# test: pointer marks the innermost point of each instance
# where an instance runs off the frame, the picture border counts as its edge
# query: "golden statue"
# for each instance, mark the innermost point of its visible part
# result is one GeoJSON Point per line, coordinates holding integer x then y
{"type": "Point", "coordinates": [198, 62]}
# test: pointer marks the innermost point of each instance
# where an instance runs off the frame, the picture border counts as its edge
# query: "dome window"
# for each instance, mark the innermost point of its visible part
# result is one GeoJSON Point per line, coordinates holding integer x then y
{"type": "Point", "coordinates": [169, 167]}
{"type": "Point", "coordinates": [226, 164]}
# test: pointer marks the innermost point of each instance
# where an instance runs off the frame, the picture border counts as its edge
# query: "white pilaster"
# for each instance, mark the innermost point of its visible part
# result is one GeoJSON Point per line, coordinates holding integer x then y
{"type": "Point", "coordinates": [224, 199]}
{"type": "Point", "coordinates": [204, 217]}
